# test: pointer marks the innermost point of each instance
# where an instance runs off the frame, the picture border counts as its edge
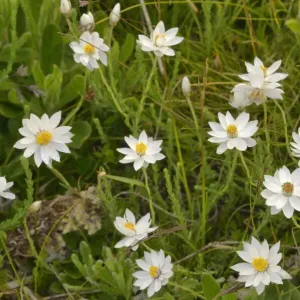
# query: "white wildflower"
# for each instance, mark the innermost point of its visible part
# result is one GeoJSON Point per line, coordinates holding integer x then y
{"type": "Point", "coordinates": [295, 146]}
{"type": "Point", "coordinates": [4, 189]}
{"type": "Point", "coordinates": [269, 73]}
{"type": "Point", "coordinates": [233, 133]}
{"type": "Point", "coordinates": [260, 267]}
{"type": "Point", "coordinates": [142, 152]}
{"type": "Point", "coordinates": [43, 138]}
{"type": "Point", "coordinates": [134, 231]}
{"type": "Point", "coordinates": [282, 191]}
{"type": "Point", "coordinates": [156, 271]}
{"type": "Point", "coordinates": [258, 90]}
{"type": "Point", "coordinates": [160, 40]}
{"type": "Point", "coordinates": [90, 49]}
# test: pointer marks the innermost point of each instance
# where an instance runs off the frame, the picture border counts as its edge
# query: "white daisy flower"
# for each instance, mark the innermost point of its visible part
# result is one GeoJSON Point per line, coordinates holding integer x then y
{"type": "Point", "coordinates": [283, 191]}
{"type": "Point", "coordinates": [233, 133]}
{"type": "Point", "coordinates": [156, 271]}
{"type": "Point", "coordinates": [186, 87]}
{"type": "Point", "coordinates": [65, 7]}
{"type": "Point", "coordinates": [4, 189]}
{"type": "Point", "coordinates": [238, 100]}
{"type": "Point", "coordinates": [258, 89]}
{"type": "Point", "coordinates": [87, 21]}
{"type": "Point", "coordinates": [90, 49]}
{"type": "Point", "coordinates": [142, 152]}
{"type": "Point", "coordinates": [295, 146]}
{"type": "Point", "coordinates": [43, 138]}
{"type": "Point", "coordinates": [115, 15]}
{"type": "Point", "coordinates": [269, 73]}
{"type": "Point", "coordinates": [133, 231]}
{"type": "Point", "coordinates": [260, 267]}
{"type": "Point", "coordinates": [160, 40]}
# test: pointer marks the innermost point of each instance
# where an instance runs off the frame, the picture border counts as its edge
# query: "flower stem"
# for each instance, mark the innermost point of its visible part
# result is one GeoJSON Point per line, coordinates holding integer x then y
{"type": "Point", "coordinates": [60, 177]}
{"type": "Point", "coordinates": [295, 222]}
{"type": "Point", "coordinates": [149, 195]}
{"type": "Point", "coordinates": [245, 166]}
{"type": "Point", "coordinates": [266, 126]}
{"type": "Point", "coordinates": [115, 100]}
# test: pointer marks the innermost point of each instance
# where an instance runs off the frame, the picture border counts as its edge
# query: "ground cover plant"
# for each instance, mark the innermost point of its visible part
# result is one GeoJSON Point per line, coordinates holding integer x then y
{"type": "Point", "coordinates": [149, 149]}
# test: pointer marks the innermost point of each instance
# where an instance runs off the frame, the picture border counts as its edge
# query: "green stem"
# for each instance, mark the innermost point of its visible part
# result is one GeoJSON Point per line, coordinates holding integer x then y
{"type": "Point", "coordinates": [285, 130]}
{"type": "Point", "coordinates": [185, 182]}
{"type": "Point", "coordinates": [295, 222]}
{"type": "Point", "coordinates": [60, 177]}
{"type": "Point", "coordinates": [197, 295]}
{"type": "Point", "coordinates": [266, 126]}
{"type": "Point", "coordinates": [245, 166]}
{"type": "Point", "coordinates": [115, 100]}
{"type": "Point", "coordinates": [149, 195]}
{"type": "Point", "coordinates": [229, 178]}
{"type": "Point", "coordinates": [145, 92]}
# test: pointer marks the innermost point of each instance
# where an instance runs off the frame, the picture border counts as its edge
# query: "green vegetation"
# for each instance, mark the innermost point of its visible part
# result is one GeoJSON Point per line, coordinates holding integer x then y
{"type": "Point", "coordinates": [205, 204]}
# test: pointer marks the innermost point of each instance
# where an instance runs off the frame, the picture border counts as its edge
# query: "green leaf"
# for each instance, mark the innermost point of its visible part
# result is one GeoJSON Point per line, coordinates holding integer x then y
{"type": "Point", "coordinates": [127, 48]}
{"type": "Point", "coordinates": [51, 52]}
{"type": "Point", "coordinates": [76, 261]}
{"type": "Point", "coordinates": [293, 25]}
{"type": "Point", "coordinates": [231, 296]}
{"type": "Point", "coordinates": [52, 87]}
{"type": "Point", "coordinates": [86, 253]}
{"type": "Point", "coordinates": [72, 90]}
{"type": "Point", "coordinates": [23, 39]}
{"type": "Point", "coordinates": [295, 293]}
{"type": "Point", "coordinates": [126, 180]}
{"type": "Point", "coordinates": [211, 287]}
{"type": "Point", "coordinates": [167, 296]}
{"type": "Point", "coordinates": [38, 74]}
{"type": "Point", "coordinates": [9, 111]}
{"type": "Point", "coordinates": [13, 97]}
{"type": "Point", "coordinates": [82, 131]}
{"type": "Point", "coordinates": [271, 293]}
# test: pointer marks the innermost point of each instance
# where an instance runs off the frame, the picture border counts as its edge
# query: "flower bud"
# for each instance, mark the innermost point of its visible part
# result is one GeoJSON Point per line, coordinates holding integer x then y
{"type": "Point", "coordinates": [87, 21]}
{"type": "Point", "coordinates": [35, 207]}
{"type": "Point", "coordinates": [115, 15]}
{"type": "Point", "coordinates": [65, 7]}
{"type": "Point", "coordinates": [186, 86]}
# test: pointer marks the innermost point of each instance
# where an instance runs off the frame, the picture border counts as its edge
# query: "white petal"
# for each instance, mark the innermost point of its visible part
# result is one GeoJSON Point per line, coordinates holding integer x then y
{"type": "Point", "coordinates": [295, 202]}
{"type": "Point", "coordinates": [138, 163]}
{"type": "Point", "coordinates": [222, 148]}
{"type": "Point", "coordinates": [288, 210]}
{"type": "Point", "coordinates": [244, 268]}
{"type": "Point", "coordinates": [274, 67]}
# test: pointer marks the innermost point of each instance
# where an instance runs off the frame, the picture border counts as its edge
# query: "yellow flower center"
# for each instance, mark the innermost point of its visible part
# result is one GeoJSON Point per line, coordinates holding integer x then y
{"type": "Point", "coordinates": [264, 69]}
{"type": "Point", "coordinates": [43, 138]}
{"type": "Point", "coordinates": [160, 39]}
{"type": "Point", "coordinates": [140, 148]}
{"type": "Point", "coordinates": [257, 95]}
{"type": "Point", "coordinates": [287, 189]}
{"type": "Point", "coordinates": [154, 271]}
{"type": "Point", "coordinates": [232, 131]}
{"type": "Point", "coordinates": [89, 49]}
{"type": "Point", "coordinates": [260, 264]}
{"type": "Point", "coordinates": [130, 226]}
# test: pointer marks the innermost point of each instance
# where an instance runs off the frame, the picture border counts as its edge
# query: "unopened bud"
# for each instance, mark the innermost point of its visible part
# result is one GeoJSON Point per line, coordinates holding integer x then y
{"type": "Point", "coordinates": [65, 7]}
{"type": "Point", "coordinates": [115, 15]}
{"type": "Point", "coordinates": [186, 86]}
{"type": "Point", "coordinates": [35, 207]}
{"type": "Point", "coordinates": [87, 21]}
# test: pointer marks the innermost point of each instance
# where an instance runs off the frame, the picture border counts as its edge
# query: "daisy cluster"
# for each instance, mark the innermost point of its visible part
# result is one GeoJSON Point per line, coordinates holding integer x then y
{"type": "Point", "coordinates": [44, 139]}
